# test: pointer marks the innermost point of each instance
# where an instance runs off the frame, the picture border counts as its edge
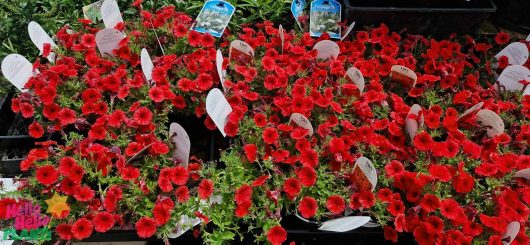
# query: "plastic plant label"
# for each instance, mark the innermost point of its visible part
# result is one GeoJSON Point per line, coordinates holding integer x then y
{"type": "Point", "coordinates": [474, 108]}
{"type": "Point", "coordinates": [297, 8]}
{"type": "Point", "coordinates": [214, 18]}
{"type": "Point", "coordinates": [108, 40]}
{"type": "Point", "coordinates": [240, 52]}
{"type": "Point", "coordinates": [220, 71]}
{"type": "Point", "coordinates": [511, 232]}
{"type": "Point", "coordinates": [324, 17]}
{"type": "Point", "coordinates": [185, 223]}
{"type": "Point", "coordinates": [350, 28]}
{"type": "Point", "coordinates": [493, 123]}
{"type": "Point", "coordinates": [39, 37]}
{"type": "Point", "coordinates": [303, 122]}
{"type": "Point", "coordinates": [371, 225]}
{"type": "Point", "coordinates": [364, 174]}
{"type": "Point", "coordinates": [344, 224]}
{"type": "Point", "coordinates": [110, 13]}
{"type": "Point", "coordinates": [147, 64]}
{"type": "Point", "coordinates": [403, 75]}
{"type": "Point", "coordinates": [281, 34]}
{"type": "Point", "coordinates": [218, 109]}
{"type": "Point", "coordinates": [355, 76]}
{"type": "Point", "coordinates": [181, 140]}
{"type": "Point", "coordinates": [510, 77]}
{"type": "Point", "coordinates": [528, 38]}
{"type": "Point", "coordinates": [139, 155]}
{"type": "Point", "coordinates": [412, 125]}
{"type": "Point", "coordinates": [93, 11]}
{"type": "Point", "coordinates": [517, 53]}
{"type": "Point", "coordinates": [327, 49]}
{"type": "Point", "coordinates": [525, 173]}
{"type": "Point", "coordinates": [17, 70]}
{"type": "Point", "coordinates": [8, 185]}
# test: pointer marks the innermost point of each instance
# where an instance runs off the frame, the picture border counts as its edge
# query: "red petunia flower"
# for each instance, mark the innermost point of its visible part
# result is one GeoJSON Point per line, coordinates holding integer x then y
{"type": "Point", "coordinates": [336, 204]}
{"type": "Point", "coordinates": [250, 151]}
{"type": "Point", "coordinates": [243, 194]}
{"type": "Point", "coordinates": [451, 209]}
{"type": "Point", "coordinates": [277, 235]}
{"type": "Point", "coordinates": [181, 175]}
{"type": "Point", "coordinates": [66, 116]}
{"type": "Point", "coordinates": [260, 120]}
{"type": "Point", "coordinates": [423, 141]}
{"type": "Point", "coordinates": [390, 233]}
{"type": "Point", "coordinates": [35, 130]}
{"type": "Point", "coordinates": [143, 116]}
{"type": "Point", "coordinates": [64, 231]}
{"type": "Point", "coordinates": [47, 175]}
{"type": "Point", "coordinates": [260, 181]}
{"type": "Point", "coordinates": [88, 40]}
{"type": "Point", "coordinates": [84, 194]}
{"type": "Point", "coordinates": [156, 94]}
{"type": "Point", "coordinates": [502, 38]}
{"type": "Point", "coordinates": [429, 203]}
{"type": "Point", "coordinates": [82, 229]}
{"type": "Point", "coordinates": [308, 207]}
{"type": "Point", "coordinates": [182, 193]}
{"type": "Point", "coordinates": [161, 213]}
{"type": "Point", "coordinates": [292, 187]}
{"type": "Point", "coordinates": [145, 227]}
{"type": "Point", "coordinates": [307, 176]}
{"type": "Point", "coordinates": [309, 158]}
{"type": "Point", "coordinates": [205, 189]}
{"type": "Point", "coordinates": [463, 182]}
{"type": "Point", "coordinates": [270, 135]}
{"type": "Point", "coordinates": [103, 221]}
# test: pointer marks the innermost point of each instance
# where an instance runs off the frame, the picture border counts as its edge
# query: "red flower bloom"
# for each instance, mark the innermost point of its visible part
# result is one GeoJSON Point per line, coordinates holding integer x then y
{"type": "Point", "coordinates": [307, 207]}
{"type": "Point", "coordinates": [366, 199]}
{"type": "Point", "coordinates": [396, 207]}
{"type": "Point", "coordinates": [336, 204]}
{"type": "Point", "coordinates": [394, 168]}
{"type": "Point", "coordinates": [423, 141]}
{"type": "Point", "coordinates": [82, 229]}
{"type": "Point", "coordinates": [64, 231]}
{"type": "Point", "coordinates": [143, 116]}
{"type": "Point", "coordinates": [205, 188]}
{"type": "Point", "coordinates": [276, 235]}
{"type": "Point", "coordinates": [496, 223]}
{"type": "Point", "coordinates": [502, 38]}
{"type": "Point", "coordinates": [440, 172]}
{"type": "Point", "coordinates": [336, 145]}
{"type": "Point", "coordinates": [260, 181]}
{"type": "Point", "coordinates": [463, 182]}
{"type": "Point", "coordinates": [250, 151]}
{"type": "Point", "coordinates": [180, 176]}
{"type": "Point", "coordinates": [260, 120]}
{"type": "Point", "coordinates": [161, 213]}
{"type": "Point", "coordinates": [243, 194]}
{"type": "Point", "coordinates": [309, 158]}
{"type": "Point", "coordinates": [292, 187]}
{"type": "Point", "coordinates": [103, 221]}
{"type": "Point", "coordinates": [307, 176]}
{"type": "Point", "coordinates": [450, 209]}
{"type": "Point", "coordinates": [84, 194]}
{"type": "Point", "coordinates": [429, 203]}
{"type": "Point", "coordinates": [156, 94]}
{"type": "Point", "coordinates": [390, 233]}
{"type": "Point", "coordinates": [182, 194]}
{"type": "Point", "coordinates": [47, 175]}
{"type": "Point", "coordinates": [35, 130]}
{"type": "Point", "coordinates": [66, 116]}
{"type": "Point", "coordinates": [145, 227]}
{"type": "Point", "coordinates": [88, 40]}
{"type": "Point", "coordinates": [270, 135]}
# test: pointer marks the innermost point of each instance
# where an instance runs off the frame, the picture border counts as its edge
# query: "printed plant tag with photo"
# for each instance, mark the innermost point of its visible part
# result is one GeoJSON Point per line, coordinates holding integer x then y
{"type": "Point", "coordinates": [17, 70]}
{"type": "Point", "coordinates": [214, 18]}
{"type": "Point", "coordinates": [302, 121]}
{"type": "Point", "coordinates": [218, 109]}
{"type": "Point", "coordinates": [403, 75]}
{"type": "Point", "coordinates": [412, 125]}
{"type": "Point", "coordinates": [510, 77]}
{"type": "Point", "coordinates": [511, 232]}
{"type": "Point", "coordinates": [356, 77]}
{"type": "Point", "coordinates": [517, 53]}
{"type": "Point", "coordinates": [474, 108]}
{"type": "Point", "coordinates": [180, 139]}
{"type": "Point", "coordinates": [147, 64]}
{"type": "Point", "coordinates": [184, 224]}
{"type": "Point", "coordinates": [327, 49]}
{"type": "Point", "coordinates": [525, 173]}
{"type": "Point", "coordinates": [364, 175]}
{"type": "Point", "coordinates": [350, 28]}
{"type": "Point", "coordinates": [8, 185]}
{"type": "Point", "coordinates": [93, 11]}
{"type": "Point", "coordinates": [344, 224]}
{"type": "Point", "coordinates": [297, 9]}
{"type": "Point", "coordinates": [219, 59]}
{"type": "Point", "coordinates": [325, 16]}
{"type": "Point", "coordinates": [108, 40]}
{"type": "Point", "coordinates": [39, 37]}
{"type": "Point", "coordinates": [493, 123]}
{"type": "Point", "coordinates": [110, 13]}
{"type": "Point", "coordinates": [241, 53]}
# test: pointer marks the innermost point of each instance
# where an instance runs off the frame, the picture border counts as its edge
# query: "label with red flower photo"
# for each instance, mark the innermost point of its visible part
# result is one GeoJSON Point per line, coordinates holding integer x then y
{"type": "Point", "coordinates": [93, 11]}
{"type": "Point", "coordinates": [108, 40]}
{"type": "Point", "coordinates": [110, 13]}
{"type": "Point", "coordinates": [17, 70]}
{"type": "Point", "coordinates": [517, 53]}
{"type": "Point", "coordinates": [182, 143]}
{"type": "Point", "coordinates": [364, 175]}
{"type": "Point", "coordinates": [240, 52]}
{"type": "Point", "coordinates": [214, 18]}
{"type": "Point", "coordinates": [302, 121]}
{"type": "Point", "coordinates": [324, 17]}
{"type": "Point", "coordinates": [356, 77]}
{"type": "Point", "coordinates": [297, 8]}
{"type": "Point", "coordinates": [414, 120]}
{"type": "Point", "coordinates": [327, 49]}
{"type": "Point", "coordinates": [512, 78]}
{"type": "Point", "coordinates": [403, 75]}
{"type": "Point", "coordinates": [39, 37]}
{"type": "Point", "coordinates": [491, 121]}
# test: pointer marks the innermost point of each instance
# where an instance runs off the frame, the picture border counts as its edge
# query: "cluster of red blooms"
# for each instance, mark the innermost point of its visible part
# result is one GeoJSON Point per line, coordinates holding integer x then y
{"type": "Point", "coordinates": [449, 184]}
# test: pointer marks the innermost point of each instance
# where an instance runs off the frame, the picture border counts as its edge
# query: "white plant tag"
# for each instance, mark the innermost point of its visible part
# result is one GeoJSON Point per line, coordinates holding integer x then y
{"type": "Point", "coordinates": [344, 224]}
{"type": "Point", "coordinates": [182, 143]}
{"type": "Point", "coordinates": [403, 75]}
{"type": "Point", "coordinates": [39, 37]}
{"type": "Point", "coordinates": [147, 64]}
{"type": "Point", "coordinates": [240, 52]}
{"type": "Point", "coordinates": [364, 174]}
{"type": "Point", "coordinates": [474, 108]}
{"type": "Point", "coordinates": [93, 11]}
{"type": "Point", "coordinates": [108, 40]}
{"type": "Point", "coordinates": [525, 173]}
{"type": "Point", "coordinates": [218, 109]}
{"type": "Point", "coordinates": [412, 125]}
{"type": "Point", "coordinates": [528, 38]}
{"type": "Point", "coordinates": [493, 123]}
{"type": "Point", "coordinates": [281, 33]}
{"type": "Point", "coordinates": [220, 71]}
{"type": "Point", "coordinates": [17, 70]}
{"type": "Point", "coordinates": [511, 76]}
{"type": "Point", "coordinates": [8, 185]}
{"type": "Point", "coordinates": [110, 13]}
{"type": "Point", "coordinates": [371, 225]}
{"type": "Point", "coordinates": [355, 76]}
{"type": "Point", "coordinates": [511, 232]}
{"type": "Point", "coordinates": [517, 53]}
{"type": "Point", "coordinates": [327, 49]}
{"type": "Point", "coordinates": [350, 28]}
{"type": "Point", "coordinates": [185, 223]}
{"type": "Point", "coordinates": [303, 122]}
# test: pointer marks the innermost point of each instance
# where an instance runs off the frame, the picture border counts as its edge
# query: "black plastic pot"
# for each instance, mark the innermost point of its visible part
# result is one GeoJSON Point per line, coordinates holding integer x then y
{"type": "Point", "coordinates": [513, 14]}
{"type": "Point", "coordinates": [434, 18]}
